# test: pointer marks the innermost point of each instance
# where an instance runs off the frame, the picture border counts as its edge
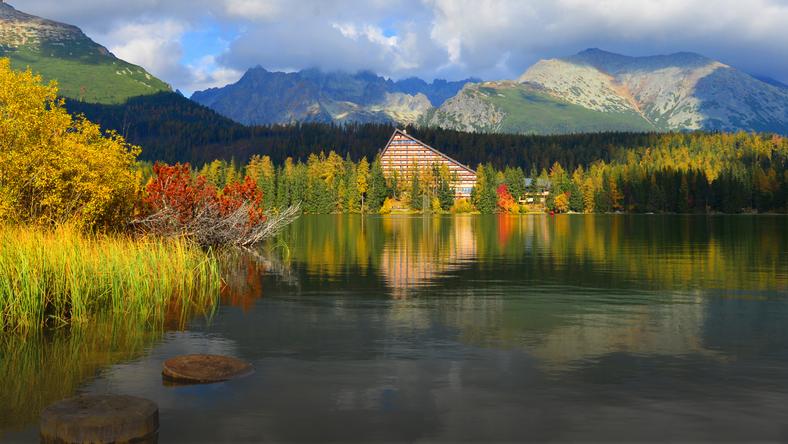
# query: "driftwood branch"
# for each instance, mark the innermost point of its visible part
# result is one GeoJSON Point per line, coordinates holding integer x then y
{"type": "Point", "coordinates": [208, 227]}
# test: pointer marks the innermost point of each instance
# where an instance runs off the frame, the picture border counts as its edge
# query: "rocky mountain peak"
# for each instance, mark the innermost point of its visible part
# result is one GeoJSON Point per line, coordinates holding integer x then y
{"type": "Point", "coordinates": [264, 97]}
{"type": "Point", "coordinates": [680, 91]}
{"type": "Point", "coordinates": [84, 69]}
{"type": "Point", "coordinates": [613, 63]}
{"type": "Point", "coordinates": [18, 29]}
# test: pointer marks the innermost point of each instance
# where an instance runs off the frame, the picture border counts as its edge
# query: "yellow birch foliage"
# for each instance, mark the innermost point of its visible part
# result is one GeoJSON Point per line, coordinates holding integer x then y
{"type": "Point", "coordinates": [55, 168]}
{"type": "Point", "coordinates": [562, 203]}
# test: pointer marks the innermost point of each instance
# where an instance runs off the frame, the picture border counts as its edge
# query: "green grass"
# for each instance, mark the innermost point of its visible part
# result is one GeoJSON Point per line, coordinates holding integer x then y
{"type": "Point", "coordinates": [529, 111]}
{"type": "Point", "coordinates": [87, 76]}
{"type": "Point", "coordinates": [62, 277]}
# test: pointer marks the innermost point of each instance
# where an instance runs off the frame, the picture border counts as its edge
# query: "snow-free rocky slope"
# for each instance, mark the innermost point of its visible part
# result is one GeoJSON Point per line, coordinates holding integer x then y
{"type": "Point", "coordinates": [597, 90]}
{"type": "Point", "coordinates": [264, 97]}
{"type": "Point", "coordinates": [83, 69]}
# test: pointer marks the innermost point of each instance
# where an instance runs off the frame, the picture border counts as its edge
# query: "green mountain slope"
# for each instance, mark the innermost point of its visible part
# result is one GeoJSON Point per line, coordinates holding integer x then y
{"type": "Point", "coordinates": [83, 69]}
{"type": "Point", "coordinates": [508, 107]}
{"type": "Point", "coordinates": [676, 92]}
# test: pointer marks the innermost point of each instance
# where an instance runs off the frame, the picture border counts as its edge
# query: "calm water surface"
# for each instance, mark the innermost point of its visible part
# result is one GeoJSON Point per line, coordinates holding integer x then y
{"type": "Point", "coordinates": [603, 328]}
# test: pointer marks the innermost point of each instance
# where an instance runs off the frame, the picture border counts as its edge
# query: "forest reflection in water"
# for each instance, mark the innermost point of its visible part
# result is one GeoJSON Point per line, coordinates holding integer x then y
{"type": "Point", "coordinates": [568, 288]}
{"type": "Point", "coordinates": [670, 252]}
{"type": "Point", "coordinates": [404, 328]}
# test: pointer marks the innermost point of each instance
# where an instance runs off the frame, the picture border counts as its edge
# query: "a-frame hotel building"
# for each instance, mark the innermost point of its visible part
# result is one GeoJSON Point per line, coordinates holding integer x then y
{"type": "Point", "coordinates": [404, 154]}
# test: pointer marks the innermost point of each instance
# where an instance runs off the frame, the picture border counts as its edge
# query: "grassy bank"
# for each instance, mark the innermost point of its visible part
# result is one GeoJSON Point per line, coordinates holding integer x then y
{"type": "Point", "coordinates": [62, 277]}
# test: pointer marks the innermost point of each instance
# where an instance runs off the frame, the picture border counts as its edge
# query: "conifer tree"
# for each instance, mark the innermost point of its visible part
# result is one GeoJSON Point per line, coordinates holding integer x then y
{"type": "Point", "coordinates": [416, 192]}
{"type": "Point", "coordinates": [378, 191]}
{"type": "Point", "coordinates": [684, 204]}
{"type": "Point", "coordinates": [262, 171]}
{"type": "Point", "coordinates": [445, 188]}
{"type": "Point", "coordinates": [484, 195]}
{"type": "Point", "coordinates": [362, 181]}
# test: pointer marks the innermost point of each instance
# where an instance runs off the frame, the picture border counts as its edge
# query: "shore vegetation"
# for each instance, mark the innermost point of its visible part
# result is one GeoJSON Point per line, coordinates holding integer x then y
{"type": "Point", "coordinates": [61, 277]}
{"type": "Point", "coordinates": [86, 232]}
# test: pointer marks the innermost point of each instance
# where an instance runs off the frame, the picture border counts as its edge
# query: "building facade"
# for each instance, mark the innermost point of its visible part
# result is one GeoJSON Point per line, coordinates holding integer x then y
{"type": "Point", "coordinates": [406, 154]}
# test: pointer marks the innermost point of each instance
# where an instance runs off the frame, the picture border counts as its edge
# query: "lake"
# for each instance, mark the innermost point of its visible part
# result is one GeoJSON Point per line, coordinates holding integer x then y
{"type": "Point", "coordinates": [499, 328]}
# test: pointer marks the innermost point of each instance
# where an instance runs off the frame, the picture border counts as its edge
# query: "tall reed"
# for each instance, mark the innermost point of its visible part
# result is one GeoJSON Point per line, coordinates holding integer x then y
{"type": "Point", "coordinates": [62, 277]}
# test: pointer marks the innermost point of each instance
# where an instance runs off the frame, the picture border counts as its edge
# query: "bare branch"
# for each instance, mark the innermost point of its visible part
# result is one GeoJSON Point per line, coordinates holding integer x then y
{"type": "Point", "coordinates": [208, 227]}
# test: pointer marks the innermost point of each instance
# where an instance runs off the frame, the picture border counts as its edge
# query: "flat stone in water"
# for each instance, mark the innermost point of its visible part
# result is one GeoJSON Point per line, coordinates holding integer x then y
{"type": "Point", "coordinates": [100, 419]}
{"type": "Point", "coordinates": [204, 369]}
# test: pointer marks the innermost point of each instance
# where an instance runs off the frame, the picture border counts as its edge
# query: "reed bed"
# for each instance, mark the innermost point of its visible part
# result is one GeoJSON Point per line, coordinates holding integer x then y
{"type": "Point", "coordinates": [63, 277]}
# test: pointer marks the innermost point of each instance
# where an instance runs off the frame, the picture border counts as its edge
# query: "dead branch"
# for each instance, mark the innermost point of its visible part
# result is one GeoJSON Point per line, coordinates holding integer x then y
{"type": "Point", "coordinates": [209, 228]}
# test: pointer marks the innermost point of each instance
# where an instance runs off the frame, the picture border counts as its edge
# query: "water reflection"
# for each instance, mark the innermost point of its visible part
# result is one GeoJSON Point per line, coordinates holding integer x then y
{"type": "Point", "coordinates": [674, 252]}
{"type": "Point", "coordinates": [416, 254]}
{"type": "Point", "coordinates": [500, 328]}
{"type": "Point", "coordinates": [568, 289]}
{"type": "Point", "coordinates": [39, 370]}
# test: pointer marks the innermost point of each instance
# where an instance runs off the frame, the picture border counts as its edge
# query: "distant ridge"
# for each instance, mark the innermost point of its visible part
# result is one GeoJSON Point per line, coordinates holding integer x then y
{"type": "Point", "coordinates": [597, 90]}
{"type": "Point", "coordinates": [591, 91]}
{"type": "Point", "coordinates": [311, 95]}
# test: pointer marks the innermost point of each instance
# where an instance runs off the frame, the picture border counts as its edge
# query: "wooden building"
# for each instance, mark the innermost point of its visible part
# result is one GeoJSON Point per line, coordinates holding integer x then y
{"type": "Point", "coordinates": [405, 154]}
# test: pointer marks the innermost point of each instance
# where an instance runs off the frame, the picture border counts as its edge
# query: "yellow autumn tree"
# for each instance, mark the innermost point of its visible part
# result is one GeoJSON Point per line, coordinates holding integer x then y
{"type": "Point", "coordinates": [55, 168]}
{"type": "Point", "coordinates": [562, 203]}
{"type": "Point", "coordinates": [362, 179]}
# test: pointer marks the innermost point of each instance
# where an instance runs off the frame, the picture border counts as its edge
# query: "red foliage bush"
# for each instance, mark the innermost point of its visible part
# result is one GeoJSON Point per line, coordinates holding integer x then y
{"type": "Point", "coordinates": [236, 194]}
{"type": "Point", "coordinates": [505, 200]}
{"type": "Point", "coordinates": [176, 189]}
{"type": "Point", "coordinates": [178, 203]}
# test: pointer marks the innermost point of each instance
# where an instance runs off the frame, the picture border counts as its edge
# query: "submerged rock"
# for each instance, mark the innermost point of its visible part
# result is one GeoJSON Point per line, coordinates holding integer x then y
{"type": "Point", "coordinates": [100, 419]}
{"type": "Point", "coordinates": [204, 369]}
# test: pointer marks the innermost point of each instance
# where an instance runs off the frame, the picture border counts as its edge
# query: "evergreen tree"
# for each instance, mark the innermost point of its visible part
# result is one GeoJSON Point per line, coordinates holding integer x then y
{"type": "Point", "coordinates": [576, 202]}
{"type": "Point", "coordinates": [684, 203]}
{"type": "Point", "coordinates": [484, 195]}
{"type": "Point", "coordinates": [377, 192]}
{"type": "Point", "coordinates": [395, 189]}
{"type": "Point", "coordinates": [514, 179]}
{"type": "Point", "coordinates": [602, 201]}
{"type": "Point", "coordinates": [262, 171]}
{"type": "Point", "coordinates": [445, 189]}
{"type": "Point", "coordinates": [362, 181]}
{"type": "Point", "coordinates": [416, 192]}
{"type": "Point", "coordinates": [353, 195]}
{"type": "Point", "coordinates": [656, 197]}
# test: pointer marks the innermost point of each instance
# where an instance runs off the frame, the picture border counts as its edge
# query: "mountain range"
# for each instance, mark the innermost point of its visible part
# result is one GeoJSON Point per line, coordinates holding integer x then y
{"type": "Point", "coordinates": [592, 91]}
{"type": "Point", "coordinates": [83, 69]}
{"type": "Point", "coordinates": [262, 97]}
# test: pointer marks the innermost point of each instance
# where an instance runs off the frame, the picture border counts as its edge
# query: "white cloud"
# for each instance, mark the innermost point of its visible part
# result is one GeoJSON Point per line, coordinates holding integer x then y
{"type": "Point", "coordinates": [153, 45]}
{"type": "Point", "coordinates": [253, 9]}
{"type": "Point", "coordinates": [749, 35]}
{"type": "Point", "coordinates": [207, 73]}
{"type": "Point", "coordinates": [448, 38]}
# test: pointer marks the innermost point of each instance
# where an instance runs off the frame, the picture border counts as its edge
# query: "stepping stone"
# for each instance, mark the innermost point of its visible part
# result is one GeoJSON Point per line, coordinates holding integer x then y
{"type": "Point", "coordinates": [100, 419]}
{"type": "Point", "coordinates": [204, 369]}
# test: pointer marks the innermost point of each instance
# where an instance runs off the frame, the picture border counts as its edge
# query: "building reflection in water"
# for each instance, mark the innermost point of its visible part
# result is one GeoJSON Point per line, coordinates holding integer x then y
{"type": "Point", "coordinates": [417, 252]}
{"type": "Point", "coordinates": [566, 289]}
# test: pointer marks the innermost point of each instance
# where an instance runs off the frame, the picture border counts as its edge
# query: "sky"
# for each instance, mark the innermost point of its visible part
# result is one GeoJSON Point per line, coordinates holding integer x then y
{"type": "Point", "coordinates": [198, 44]}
